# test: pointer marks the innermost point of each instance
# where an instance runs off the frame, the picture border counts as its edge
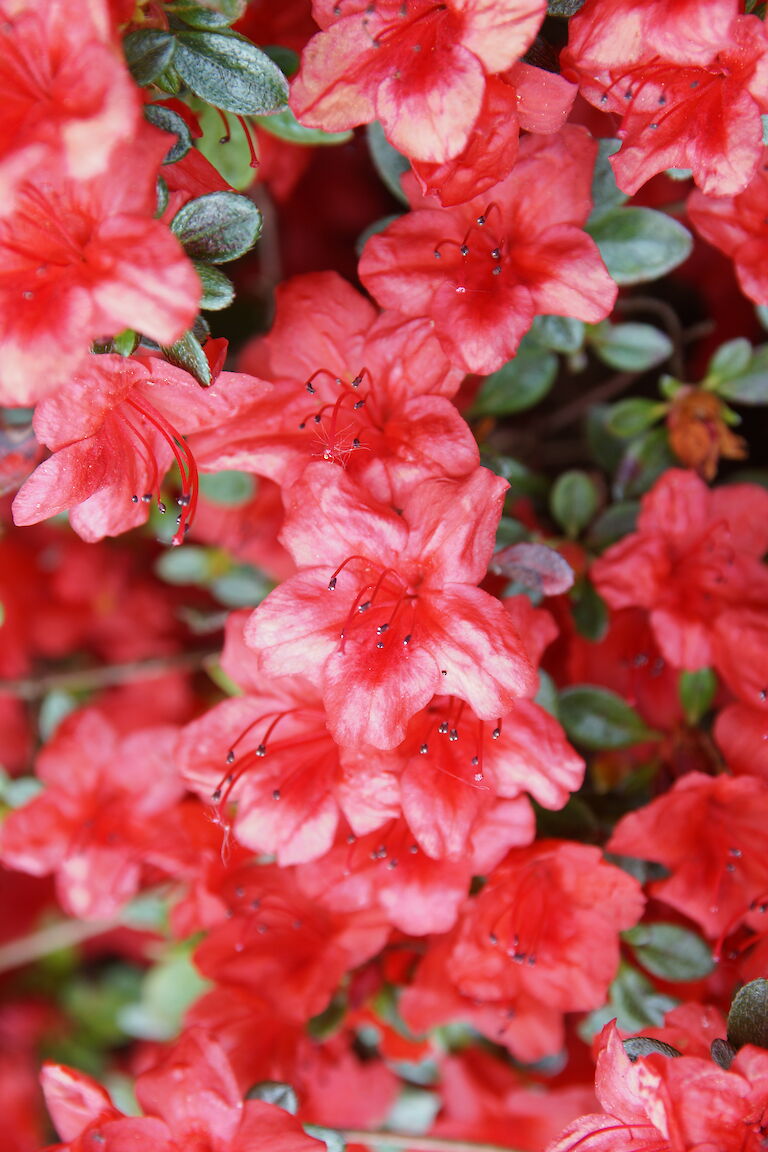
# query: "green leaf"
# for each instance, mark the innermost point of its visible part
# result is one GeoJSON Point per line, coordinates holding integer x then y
{"type": "Point", "coordinates": [275, 1092]}
{"type": "Point", "coordinates": [590, 614]}
{"type": "Point", "coordinates": [126, 342]}
{"type": "Point", "coordinates": [761, 311]}
{"type": "Point", "coordinates": [148, 52]}
{"type": "Point", "coordinates": [242, 587]}
{"type": "Point", "coordinates": [630, 417]}
{"type": "Point", "coordinates": [387, 161]}
{"type": "Point", "coordinates": [218, 289]}
{"type": "Point", "coordinates": [217, 227]}
{"type": "Point", "coordinates": [285, 126]}
{"type": "Point", "coordinates": [563, 7]}
{"type": "Point", "coordinates": [605, 192]}
{"type": "Point", "coordinates": [751, 385]}
{"type": "Point", "coordinates": [596, 718]}
{"type": "Point", "coordinates": [187, 353]}
{"type": "Point", "coordinates": [162, 196]}
{"type": "Point", "coordinates": [519, 384]}
{"type": "Point", "coordinates": [640, 244]}
{"type": "Point", "coordinates": [643, 462]}
{"type": "Point", "coordinates": [55, 707]}
{"type": "Point", "coordinates": [614, 523]}
{"type": "Point", "coordinates": [748, 1017]}
{"type": "Point", "coordinates": [208, 16]}
{"type": "Point", "coordinates": [730, 359]}
{"type": "Point", "coordinates": [170, 121]}
{"type": "Point", "coordinates": [630, 347]}
{"type": "Point", "coordinates": [231, 488]}
{"type": "Point", "coordinates": [229, 152]}
{"type": "Point", "coordinates": [559, 333]}
{"type": "Point", "coordinates": [15, 791]}
{"type": "Point", "coordinates": [230, 73]}
{"type": "Point", "coordinates": [333, 1140]}
{"type": "Point", "coordinates": [167, 990]}
{"type": "Point", "coordinates": [188, 565]}
{"type": "Point", "coordinates": [573, 501]}
{"type": "Point", "coordinates": [697, 693]}
{"type": "Point", "coordinates": [669, 951]}
{"type": "Point", "coordinates": [632, 1001]}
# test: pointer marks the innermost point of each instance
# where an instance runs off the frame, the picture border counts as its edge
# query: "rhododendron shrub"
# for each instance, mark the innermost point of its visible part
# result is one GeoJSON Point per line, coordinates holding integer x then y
{"type": "Point", "coordinates": [383, 587]}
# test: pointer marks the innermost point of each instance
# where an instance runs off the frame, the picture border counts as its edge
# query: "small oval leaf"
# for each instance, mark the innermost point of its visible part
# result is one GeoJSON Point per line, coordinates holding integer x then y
{"type": "Point", "coordinates": [230, 73]}
{"type": "Point", "coordinates": [596, 718]}
{"type": "Point", "coordinates": [640, 244]}
{"type": "Point", "coordinates": [217, 227]}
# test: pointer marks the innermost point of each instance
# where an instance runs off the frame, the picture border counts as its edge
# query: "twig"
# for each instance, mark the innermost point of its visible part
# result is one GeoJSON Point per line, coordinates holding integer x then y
{"type": "Point", "coordinates": [83, 679]}
{"type": "Point", "coordinates": [572, 412]}
{"type": "Point", "coordinates": [63, 934]}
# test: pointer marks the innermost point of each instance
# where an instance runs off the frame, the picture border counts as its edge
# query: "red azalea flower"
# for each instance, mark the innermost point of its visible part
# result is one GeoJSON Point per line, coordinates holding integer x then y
{"type": "Point", "coordinates": [661, 1102]}
{"type": "Point", "coordinates": [522, 98]}
{"type": "Point", "coordinates": [540, 940]}
{"type": "Point", "coordinates": [113, 431]}
{"type": "Point", "coordinates": [737, 226]}
{"type": "Point", "coordinates": [282, 944]}
{"type": "Point", "coordinates": [695, 557]}
{"type": "Point", "coordinates": [417, 66]}
{"type": "Point", "coordinates": [483, 270]}
{"type": "Point", "coordinates": [190, 1099]}
{"type": "Point", "coordinates": [689, 81]}
{"type": "Point", "coordinates": [710, 834]}
{"type": "Point", "coordinates": [385, 612]}
{"type": "Point", "coordinates": [417, 892]}
{"type": "Point", "coordinates": [66, 93]}
{"type": "Point", "coordinates": [271, 752]}
{"type": "Point", "coordinates": [741, 733]}
{"type": "Point", "coordinates": [368, 393]}
{"type": "Point", "coordinates": [105, 801]}
{"type": "Point", "coordinates": [83, 260]}
{"type": "Point", "coordinates": [487, 1102]}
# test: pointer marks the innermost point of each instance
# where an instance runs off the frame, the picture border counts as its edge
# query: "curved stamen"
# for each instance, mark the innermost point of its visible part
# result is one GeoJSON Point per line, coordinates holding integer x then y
{"type": "Point", "coordinates": [185, 460]}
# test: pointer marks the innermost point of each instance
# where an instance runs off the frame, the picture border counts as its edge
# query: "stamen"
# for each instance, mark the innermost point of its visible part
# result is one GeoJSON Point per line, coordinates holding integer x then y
{"type": "Point", "coordinates": [254, 161]}
{"type": "Point", "coordinates": [225, 139]}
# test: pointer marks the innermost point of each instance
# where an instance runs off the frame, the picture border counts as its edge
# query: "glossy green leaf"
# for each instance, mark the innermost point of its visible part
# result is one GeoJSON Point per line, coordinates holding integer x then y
{"type": "Point", "coordinates": [285, 126]}
{"type": "Point", "coordinates": [697, 692]}
{"type": "Point", "coordinates": [643, 462]}
{"type": "Point", "coordinates": [518, 385]}
{"type": "Point", "coordinates": [748, 1017]}
{"type": "Point", "coordinates": [187, 353]}
{"type": "Point", "coordinates": [148, 52]}
{"type": "Point", "coordinates": [230, 73]}
{"type": "Point", "coordinates": [388, 162]}
{"type": "Point", "coordinates": [640, 244]}
{"type": "Point", "coordinates": [750, 386]}
{"type": "Point", "coordinates": [217, 227]}
{"type": "Point", "coordinates": [559, 333]}
{"type": "Point", "coordinates": [614, 523]}
{"type": "Point", "coordinates": [276, 1093]}
{"type": "Point", "coordinates": [171, 122]}
{"type": "Point", "coordinates": [670, 952]}
{"type": "Point", "coordinates": [574, 500]}
{"type": "Point", "coordinates": [214, 14]}
{"type": "Point", "coordinates": [218, 289]}
{"type": "Point", "coordinates": [590, 613]}
{"type": "Point", "coordinates": [632, 1001]}
{"type": "Point", "coordinates": [630, 417]}
{"type": "Point", "coordinates": [605, 192]}
{"type": "Point", "coordinates": [597, 718]}
{"type": "Point", "coordinates": [730, 359]}
{"type": "Point", "coordinates": [630, 347]}
{"type": "Point", "coordinates": [231, 488]}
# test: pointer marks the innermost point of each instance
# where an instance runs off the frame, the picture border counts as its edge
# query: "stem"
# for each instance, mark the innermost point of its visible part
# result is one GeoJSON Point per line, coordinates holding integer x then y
{"type": "Point", "coordinates": [63, 934]}
{"type": "Point", "coordinates": [87, 678]}
{"type": "Point", "coordinates": [421, 1143]}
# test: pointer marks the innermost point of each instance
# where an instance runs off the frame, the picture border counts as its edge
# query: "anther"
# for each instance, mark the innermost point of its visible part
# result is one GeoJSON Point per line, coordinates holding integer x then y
{"type": "Point", "coordinates": [231, 756]}
{"type": "Point", "coordinates": [276, 794]}
{"type": "Point", "coordinates": [134, 499]}
{"type": "Point", "coordinates": [379, 643]}
{"type": "Point", "coordinates": [496, 271]}
{"type": "Point", "coordinates": [496, 253]}
{"type": "Point", "coordinates": [261, 750]}
{"type": "Point", "coordinates": [475, 761]}
{"type": "Point", "coordinates": [161, 507]}
{"type": "Point", "coordinates": [424, 749]}
{"type": "Point", "coordinates": [331, 583]}
{"type": "Point", "coordinates": [407, 639]}
{"type": "Point", "coordinates": [382, 628]}
{"type": "Point", "coordinates": [443, 729]}
{"type": "Point", "coordinates": [453, 735]}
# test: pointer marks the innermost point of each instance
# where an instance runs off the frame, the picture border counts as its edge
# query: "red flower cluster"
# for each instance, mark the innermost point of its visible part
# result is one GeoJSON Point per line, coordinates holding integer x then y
{"type": "Point", "coordinates": [360, 830]}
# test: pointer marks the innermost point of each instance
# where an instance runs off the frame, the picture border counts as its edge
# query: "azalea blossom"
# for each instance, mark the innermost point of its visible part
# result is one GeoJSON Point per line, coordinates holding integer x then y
{"type": "Point", "coordinates": [660, 1101]}
{"type": "Point", "coordinates": [418, 67]}
{"type": "Point", "coordinates": [689, 81]}
{"type": "Point", "coordinates": [67, 96]}
{"type": "Point", "coordinates": [385, 611]}
{"type": "Point", "coordinates": [100, 815]}
{"type": "Point", "coordinates": [695, 564]}
{"type": "Point", "coordinates": [113, 433]}
{"type": "Point", "coordinates": [483, 270]}
{"type": "Point", "coordinates": [366, 392]}
{"type": "Point", "coordinates": [190, 1099]}
{"type": "Point", "coordinates": [736, 225]}
{"type": "Point", "coordinates": [83, 260]}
